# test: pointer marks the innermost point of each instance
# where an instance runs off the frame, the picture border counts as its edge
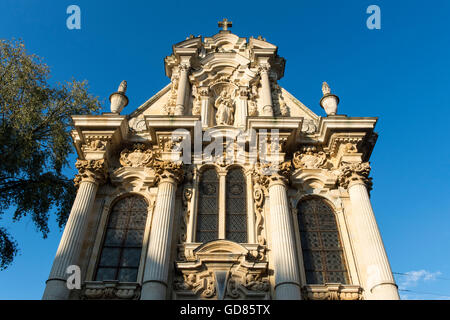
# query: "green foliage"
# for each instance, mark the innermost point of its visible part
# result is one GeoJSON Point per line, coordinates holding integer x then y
{"type": "Point", "coordinates": [35, 141]}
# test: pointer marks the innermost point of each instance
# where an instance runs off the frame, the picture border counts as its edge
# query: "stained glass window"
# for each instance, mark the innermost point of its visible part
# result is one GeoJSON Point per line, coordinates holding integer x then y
{"type": "Point", "coordinates": [236, 206]}
{"type": "Point", "coordinates": [122, 245]}
{"type": "Point", "coordinates": [321, 245]}
{"type": "Point", "coordinates": [208, 207]}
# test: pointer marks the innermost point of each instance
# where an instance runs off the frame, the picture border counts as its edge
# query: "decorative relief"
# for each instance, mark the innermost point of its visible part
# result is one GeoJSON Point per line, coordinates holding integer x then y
{"type": "Point", "coordinates": [110, 290]}
{"type": "Point", "coordinates": [169, 143]}
{"type": "Point", "coordinates": [90, 170]}
{"type": "Point", "coordinates": [355, 172]}
{"type": "Point", "coordinates": [197, 103]}
{"type": "Point", "coordinates": [279, 105]}
{"type": "Point", "coordinates": [309, 126]}
{"type": "Point", "coordinates": [350, 144]}
{"type": "Point", "coordinates": [186, 200]}
{"type": "Point", "coordinates": [252, 105]}
{"type": "Point", "coordinates": [95, 144]}
{"type": "Point", "coordinates": [259, 197]}
{"type": "Point", "coordinates": [137, 125]}
{"type": "Point", "coordinates": [169, 107]}
{"type": "Point", "coordinates": [222, 269]}
{"type": "Point", "coordinates": [309, 158]}
{"type": "Point", "coordinates": [139, 156]}
{"type": "Point", "coordinates": [331, 291]}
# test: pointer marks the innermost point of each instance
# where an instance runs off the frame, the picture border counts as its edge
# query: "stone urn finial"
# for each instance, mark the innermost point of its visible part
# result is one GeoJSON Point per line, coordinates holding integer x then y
{"type": "Point", "coordinates": [118, 99]}
{"type": "Point", "coordinates": [329, 101]}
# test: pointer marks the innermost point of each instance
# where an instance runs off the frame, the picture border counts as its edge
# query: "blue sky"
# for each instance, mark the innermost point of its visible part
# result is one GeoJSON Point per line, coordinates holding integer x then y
{"type": "Point", "coordinates": [400, 74]}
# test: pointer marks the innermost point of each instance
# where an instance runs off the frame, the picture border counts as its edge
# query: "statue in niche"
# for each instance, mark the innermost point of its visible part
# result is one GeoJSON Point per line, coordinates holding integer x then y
{"type": "Point", "coordinates": [225, 109]}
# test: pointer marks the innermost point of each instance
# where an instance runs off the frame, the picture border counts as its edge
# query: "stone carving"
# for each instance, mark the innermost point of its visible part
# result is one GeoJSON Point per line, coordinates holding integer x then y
{"type": "Point", "coordinates": [139, 156]}
{"type": "Point", "coordinates": [95, 144]}
{"type": "Point", "coordinates": [252, 108]}
{"type": "Point", "coordinates": [355, 173]}
{"type": "Point", "coordinates": [169, 107]}
{"type": "Point", "coordinates": [331, 291]}
{"type": "Point", "coordinates": [280, 107]}
{"type": "Point", "coordinates": [225, 109]}
{"type": "Point", "coordinates": [309, 126]}
{"type": "Point", "coordinates": [325, 88]}
{"type": "Point", "coordinates": [309, 159]}
{"type": "Point", "coordinates": [137, 124]}
{"type": "Point", "coordinates": [110, 290]}
{"type": "Point", "coordinates": [197, 104]}
{"type": "Point", "coordinates": [221, 269]}
{"type": "Point", "coordinates": [168, 170]}
{"type": "Point", "coordinates": [187, 196]}
{"type": "Point", "coordinates": [259, 197]}
{"type": "Point", "coordinates": [90, 170]}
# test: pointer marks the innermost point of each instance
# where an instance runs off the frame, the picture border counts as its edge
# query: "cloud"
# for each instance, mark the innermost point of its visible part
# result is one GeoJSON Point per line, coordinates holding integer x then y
{"type": "Point", "coordinates": [412, 278]}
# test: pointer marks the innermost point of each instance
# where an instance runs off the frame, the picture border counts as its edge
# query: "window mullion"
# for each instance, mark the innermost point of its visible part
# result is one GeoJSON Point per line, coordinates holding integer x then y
{"type": "Point", "coordinates": [222, 204]}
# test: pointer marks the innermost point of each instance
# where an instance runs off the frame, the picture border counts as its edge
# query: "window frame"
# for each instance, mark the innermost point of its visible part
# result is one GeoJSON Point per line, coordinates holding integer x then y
{"type": "Point", "coordinates": [107, 209]}
{"type": "Point", "coordinates": [222, 174]}
{"type": "Point", "coordinates": [343, 244]}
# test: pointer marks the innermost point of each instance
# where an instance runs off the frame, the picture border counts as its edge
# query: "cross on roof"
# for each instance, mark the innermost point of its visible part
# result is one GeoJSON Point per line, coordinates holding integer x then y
{"type": "Point", "coordinates": [225, 24]}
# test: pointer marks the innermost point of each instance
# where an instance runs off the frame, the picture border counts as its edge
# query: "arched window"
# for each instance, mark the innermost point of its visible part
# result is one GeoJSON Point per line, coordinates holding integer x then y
{"type": "Point", "coordinates": [122, 246]}
{"type": "Point", "coordinates": [208, 207]}
{"type": "Point", "coordinates": [236, 206]}
{"type": "Point", "coordinates": [321, 245]}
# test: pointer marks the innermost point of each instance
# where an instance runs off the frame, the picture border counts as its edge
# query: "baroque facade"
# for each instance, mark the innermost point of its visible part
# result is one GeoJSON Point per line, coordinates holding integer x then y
{"type": "Point", "coordinates": [223, 186]}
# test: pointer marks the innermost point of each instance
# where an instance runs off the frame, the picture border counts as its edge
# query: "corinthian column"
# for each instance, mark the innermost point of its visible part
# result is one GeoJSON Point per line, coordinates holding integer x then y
{"type": "Point", "coordinates": [371, 257]}
{"type": "Point", "coordinates": [154, 286]}
{"type": "Point", "coordinates": [287, 280]}
{"type": "Point", "coordinates": [267, 109]}
{"type": "Point", "coordinates": [181, 94]}
{"type": "Point", "coordinates": [91, 174]}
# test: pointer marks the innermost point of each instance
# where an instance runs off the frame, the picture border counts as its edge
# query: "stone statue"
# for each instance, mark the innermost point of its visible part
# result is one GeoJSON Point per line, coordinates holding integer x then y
{"type": "Point", "coordinates": [225, 109]}
{"type": "Point", "coordinates": [326, 88]}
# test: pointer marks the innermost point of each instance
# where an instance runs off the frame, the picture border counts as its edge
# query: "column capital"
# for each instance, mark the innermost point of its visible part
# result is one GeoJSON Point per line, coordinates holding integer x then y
{"type": "Point", "coordinates": [204, 92]}
{"type": "Point", "coordinates": [94, 171]}
{"type": "Point", "coordinates": [269, 174]}
{"type": "Point", "coordinates": [264, 67]}
{"type": "Point", "coordinates": [244, 92]}
{"type": "Point", "coordinates": [169, 171]}
{"type": "Point", "coordinates": [355, 173]}
{"type": "Point", "coordinates": [185, 66]}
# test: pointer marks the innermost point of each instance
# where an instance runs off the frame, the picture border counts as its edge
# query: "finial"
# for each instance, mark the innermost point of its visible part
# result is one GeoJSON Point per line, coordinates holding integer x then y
{"type": "Point", "coordinates": [225, 24]}
{"type": "Point", "coordinates": [329, 101]}
{"type": "Point", "coordinates": [118, 99]}
{"type": "Point", "coordinates": [326, 88]}
{"type": "Point", "coordinates": [123, 86]}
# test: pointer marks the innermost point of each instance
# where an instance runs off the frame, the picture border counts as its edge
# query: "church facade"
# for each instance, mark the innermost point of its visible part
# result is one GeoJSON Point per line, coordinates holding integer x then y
{"type": "Point", "coordinates": [222, 186]}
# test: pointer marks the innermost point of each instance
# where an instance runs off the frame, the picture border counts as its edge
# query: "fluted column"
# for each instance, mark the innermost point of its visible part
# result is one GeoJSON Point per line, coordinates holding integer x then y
{"type": "Point", "coordinates": [376, 274]}
{"type": "Point", "coordinates": [182, 85]}
{"type": "Point", "coordinates": [91, 173]}
{"type": "Point", "coordinates": [287, 280]}
{"type": "Point", "coordinates": [267, 109]}
{"type": "Point", "coordinates": [205, 112]}
{"type": "Point", "coordinates": [154, 286]}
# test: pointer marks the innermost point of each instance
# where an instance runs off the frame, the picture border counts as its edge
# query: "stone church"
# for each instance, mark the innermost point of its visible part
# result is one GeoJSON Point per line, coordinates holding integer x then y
{"type": "Point", "coordinates": [222, 186]}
